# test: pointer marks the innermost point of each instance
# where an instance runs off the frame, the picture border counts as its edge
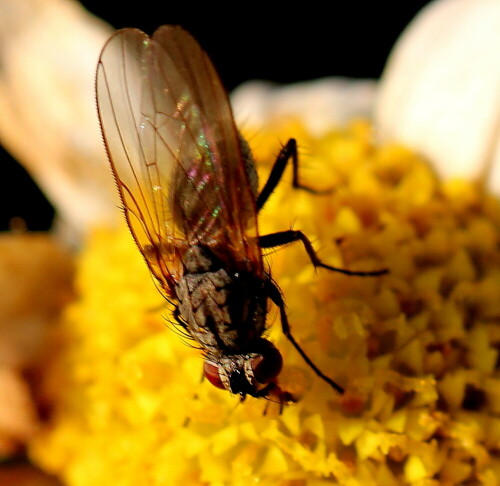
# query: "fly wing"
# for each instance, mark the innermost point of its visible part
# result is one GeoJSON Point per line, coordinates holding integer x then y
{"type": "Point", "coordinates": [175, 152]}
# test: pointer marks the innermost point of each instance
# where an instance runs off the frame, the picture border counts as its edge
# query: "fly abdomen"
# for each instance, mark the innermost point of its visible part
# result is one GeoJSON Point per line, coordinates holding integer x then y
{"type": "Point", "coordinates": [203, 306]}
{"type": "Point", "coordinates": [224, 311]}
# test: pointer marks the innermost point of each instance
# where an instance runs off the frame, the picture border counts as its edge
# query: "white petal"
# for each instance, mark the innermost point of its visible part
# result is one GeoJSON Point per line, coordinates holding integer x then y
{"type": "Point", "coordinates": [48, 117]}
{"type": "Point", "coordinates": [440, 92]}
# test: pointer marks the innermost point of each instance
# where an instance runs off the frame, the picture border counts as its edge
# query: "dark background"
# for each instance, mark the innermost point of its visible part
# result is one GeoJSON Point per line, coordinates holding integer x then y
{"type": "Point", "coordinates": [245, 41]}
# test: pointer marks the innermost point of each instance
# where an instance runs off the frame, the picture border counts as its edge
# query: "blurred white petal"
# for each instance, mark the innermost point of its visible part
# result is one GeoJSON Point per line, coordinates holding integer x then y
{"type": "Point", "coordinates": [320, 104]}
{"type": "Point", "coordinates": [48, 117]}
{"type": "Point", "coordinates": [440, 92]}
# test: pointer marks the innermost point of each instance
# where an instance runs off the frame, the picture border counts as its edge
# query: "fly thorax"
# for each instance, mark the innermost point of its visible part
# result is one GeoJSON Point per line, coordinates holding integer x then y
{"type": "Point", "coordinates": [250, 169]}
{"type": "Point", "coordinates": [197, 259]}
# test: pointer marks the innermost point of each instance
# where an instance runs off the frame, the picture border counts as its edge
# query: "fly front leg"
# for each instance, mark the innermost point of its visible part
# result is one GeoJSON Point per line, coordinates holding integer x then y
{"type": "Point", "coordinates": [284, 237]}
{"type": "Point", "coordinates": [289, 151]}
{"type": "Point", "coordinates": [274, 294]}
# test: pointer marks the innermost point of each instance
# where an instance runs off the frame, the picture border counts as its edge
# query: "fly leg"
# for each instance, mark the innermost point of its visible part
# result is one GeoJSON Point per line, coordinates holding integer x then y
{"type": "Point", "coordinates": [274, 294]}
{"type": "Point", "coordinates": [284, 237]}
{"type": "Point", "coordinates": [289, 151]}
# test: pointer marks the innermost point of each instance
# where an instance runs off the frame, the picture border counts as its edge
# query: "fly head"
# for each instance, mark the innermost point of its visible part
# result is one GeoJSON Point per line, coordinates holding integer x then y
{"type": "Point", "coordinates": [253, 373]}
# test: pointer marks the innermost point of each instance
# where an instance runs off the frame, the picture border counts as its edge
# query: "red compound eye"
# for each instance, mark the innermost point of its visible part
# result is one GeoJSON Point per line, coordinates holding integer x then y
{"type": "Point", "coordinates": [211, 371]}
{"type": "Point", "coordinates": [267, 365]}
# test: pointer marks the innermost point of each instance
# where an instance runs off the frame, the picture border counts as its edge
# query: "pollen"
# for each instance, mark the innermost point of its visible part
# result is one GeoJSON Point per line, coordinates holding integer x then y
{"type": "Point", "coordinates": [417, 350]}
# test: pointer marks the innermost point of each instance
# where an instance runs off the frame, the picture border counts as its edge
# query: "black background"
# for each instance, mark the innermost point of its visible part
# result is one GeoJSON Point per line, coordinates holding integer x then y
{"type": "Point", "coordinates": [245, 41]}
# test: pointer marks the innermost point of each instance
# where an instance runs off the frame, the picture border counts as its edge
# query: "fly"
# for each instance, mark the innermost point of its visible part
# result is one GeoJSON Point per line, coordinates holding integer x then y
{"type": "Point", "coordinates": [188, 184]}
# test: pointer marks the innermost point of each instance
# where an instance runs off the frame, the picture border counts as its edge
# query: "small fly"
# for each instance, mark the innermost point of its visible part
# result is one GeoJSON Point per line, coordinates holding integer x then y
{"type": "Point", "coordinates": [188, 184]}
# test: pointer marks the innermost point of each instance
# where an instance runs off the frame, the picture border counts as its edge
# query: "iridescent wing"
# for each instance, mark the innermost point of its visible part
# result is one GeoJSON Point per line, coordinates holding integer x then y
{"type": "Point", "coordinates": [175, 152]}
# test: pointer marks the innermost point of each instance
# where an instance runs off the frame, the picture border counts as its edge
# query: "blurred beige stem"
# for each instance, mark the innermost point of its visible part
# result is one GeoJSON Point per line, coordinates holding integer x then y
{"type": "Point", "coordinates": [18, 419]}
{"type": "Point", "coordinates": [36, 276]}
{"type": "Point", "coordinates": [48, 117]}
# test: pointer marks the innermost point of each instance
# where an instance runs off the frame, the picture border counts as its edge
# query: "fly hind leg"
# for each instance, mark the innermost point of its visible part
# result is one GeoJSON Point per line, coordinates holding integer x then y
{"type": "Point", "coordinates": [275, 295]}
{"type": "Point", "coordinates": [284, 237]}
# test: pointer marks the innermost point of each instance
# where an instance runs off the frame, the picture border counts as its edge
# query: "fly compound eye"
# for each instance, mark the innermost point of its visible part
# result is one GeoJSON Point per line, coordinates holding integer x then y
{"type": "Point", "coordinates": [266, 366]}
{"type": "Point", "coordinates": [211, 372]}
